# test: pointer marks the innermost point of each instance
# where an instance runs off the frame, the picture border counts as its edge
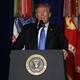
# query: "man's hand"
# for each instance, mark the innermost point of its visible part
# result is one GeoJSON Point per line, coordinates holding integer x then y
{"type": "Point", "coordinates": [78, 69]}
{"type": "Point", "coordinates": [65, 54]}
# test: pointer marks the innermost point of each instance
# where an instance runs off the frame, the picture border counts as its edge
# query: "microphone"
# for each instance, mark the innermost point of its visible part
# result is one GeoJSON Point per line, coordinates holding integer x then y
{"type": "Point", "coordinates": [41, 23]}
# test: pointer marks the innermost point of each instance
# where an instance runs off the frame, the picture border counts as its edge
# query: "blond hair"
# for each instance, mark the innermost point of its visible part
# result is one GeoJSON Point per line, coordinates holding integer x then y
{"type": "Point", "coordinates": [43, 5]}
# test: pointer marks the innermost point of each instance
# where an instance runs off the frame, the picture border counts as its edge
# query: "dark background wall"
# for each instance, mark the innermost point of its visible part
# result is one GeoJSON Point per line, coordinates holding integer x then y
{"type": "Point", "coordinates": [5, 36]}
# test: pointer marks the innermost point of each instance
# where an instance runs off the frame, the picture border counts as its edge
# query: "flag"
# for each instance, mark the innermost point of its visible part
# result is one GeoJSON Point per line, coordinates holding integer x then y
{"type": "Point", "coordinates": [15, 33]}
{"type": "Point", "coordinates": [78, 44]}
{"type": "Point", "coordinates": [16, 8]}
{"type": "Point", "coordinates": [70, 8]}
{"type": "Point", "coordinates": [78, 6]}
{"type": "Point", "coordinates": [71, 34]}
{"type": "Point", "coordinates": [22, 15]}
{"type": "Point", "coordinates": [73, 10]}
{"type": "Point", "coordinates": [23, 8]}
{"type": "Point", "coordinates": [27, 8]}
{"type": "Point", "coordinates": [16, 29]}
{"type": "Point", "coordinates": [78, 58]}
{"type": "Point", "coordinates": [18, 24]}
{"type": "Point", "coordinates": [78, 53]}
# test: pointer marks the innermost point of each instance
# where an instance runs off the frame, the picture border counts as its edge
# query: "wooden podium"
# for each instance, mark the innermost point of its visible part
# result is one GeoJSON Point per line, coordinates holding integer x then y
{"type": "Point", "coordinates": [37, 65]}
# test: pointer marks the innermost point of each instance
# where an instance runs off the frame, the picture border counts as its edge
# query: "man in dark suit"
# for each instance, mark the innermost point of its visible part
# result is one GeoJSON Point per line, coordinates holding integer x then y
{"type": "Point", "coordinates": [30, 34]}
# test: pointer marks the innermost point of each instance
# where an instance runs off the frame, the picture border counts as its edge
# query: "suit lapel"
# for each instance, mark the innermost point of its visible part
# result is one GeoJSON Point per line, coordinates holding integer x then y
{"type": "Point", "coordinates": [50, 32]}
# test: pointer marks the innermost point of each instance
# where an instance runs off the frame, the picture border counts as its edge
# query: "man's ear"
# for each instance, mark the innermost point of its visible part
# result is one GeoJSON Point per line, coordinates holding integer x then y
{"type": "Point", "coordinates": [49, 14]}
{"type": "Point", "coordinates": [36, 15]}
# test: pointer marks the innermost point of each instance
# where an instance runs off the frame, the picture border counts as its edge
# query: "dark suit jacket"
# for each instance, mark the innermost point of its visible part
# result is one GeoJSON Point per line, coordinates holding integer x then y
{"type": "Point", "coordinates": [29, 37]}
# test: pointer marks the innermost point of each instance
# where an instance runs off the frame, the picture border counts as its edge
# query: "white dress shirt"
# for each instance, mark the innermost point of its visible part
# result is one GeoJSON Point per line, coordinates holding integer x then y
{"type": "Point", "coordinates": [45, 29]}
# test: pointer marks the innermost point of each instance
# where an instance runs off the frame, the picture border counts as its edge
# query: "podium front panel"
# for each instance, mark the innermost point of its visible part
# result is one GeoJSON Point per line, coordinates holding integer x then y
{"type": "Point", "coordinates": [55, 65]}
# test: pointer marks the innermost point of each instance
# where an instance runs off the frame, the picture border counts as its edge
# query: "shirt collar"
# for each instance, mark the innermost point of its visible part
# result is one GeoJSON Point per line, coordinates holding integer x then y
{"type": "Point", "coordinates": [47, 24]}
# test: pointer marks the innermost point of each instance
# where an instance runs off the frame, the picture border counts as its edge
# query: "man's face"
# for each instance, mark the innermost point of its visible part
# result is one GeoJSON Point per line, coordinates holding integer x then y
{"type": "Point", "coordinates": [43, 13]}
